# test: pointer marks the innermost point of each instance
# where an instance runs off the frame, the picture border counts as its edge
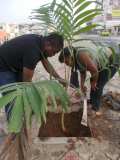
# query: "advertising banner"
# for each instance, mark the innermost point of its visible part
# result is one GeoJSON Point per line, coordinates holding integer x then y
{"type": "Point", "coordinates": [115, 8]}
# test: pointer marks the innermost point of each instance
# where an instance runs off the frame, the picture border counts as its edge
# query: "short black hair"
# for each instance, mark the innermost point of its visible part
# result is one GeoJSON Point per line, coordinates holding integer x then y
{"type": "Point", "coordinates": [66, 53]}
{"type": "Point", "coordinates": [55, 39]}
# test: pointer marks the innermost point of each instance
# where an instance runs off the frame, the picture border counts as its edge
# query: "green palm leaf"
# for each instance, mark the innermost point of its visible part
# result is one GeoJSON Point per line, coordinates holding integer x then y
{"type": "Point", "coordinates": [44, 15]}
{"type": "Point", "coordinates": [29, 98]}
{"type": "Point", "coordinates": [34, 101]}
{"type": "Point", "coordinates": [84, 14]}
{"type": "Point", "coordinates": [61, 95]}
{"type": "Point", "coordinates": [68, 4]}
{"type": "Point", "coordinates": [77, 3]}
{"type": "Point", "coordinates": [42, 100]}
{"type": "Point", "coordinates": [27, 108]}
{"type": "Point", "coordinates": [4, 100]}
{"type": "Point", "coordinates": [63, 9]}
{"type": "Point", "coordinates": [85, 29]}
{"type": "Point", "coordinates": [16, 119]}
{"type": "Point", "coordinates": [86, 19]}
{"type": "Point", "coordinates": [82, 7]}
{"type": "Point", "coordinates": [48, 93]}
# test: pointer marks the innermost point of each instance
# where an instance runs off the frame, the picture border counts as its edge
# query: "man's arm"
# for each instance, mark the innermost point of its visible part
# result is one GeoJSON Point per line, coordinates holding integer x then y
{"type": "Point", "coordinates": [27, 74]}
{"type": "Point", "coordinates": [86, 60]}
{"type": "Point", "coordinates": [49, 68]}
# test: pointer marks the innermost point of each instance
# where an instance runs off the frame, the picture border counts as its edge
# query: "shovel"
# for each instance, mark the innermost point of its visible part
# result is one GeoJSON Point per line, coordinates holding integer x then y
{"type": "Point", "coordinates": [84, 116]}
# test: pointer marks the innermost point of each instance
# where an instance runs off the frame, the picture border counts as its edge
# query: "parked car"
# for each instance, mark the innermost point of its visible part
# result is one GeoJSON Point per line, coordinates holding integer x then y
{"type": "Point", "coordinates": [105, 33]}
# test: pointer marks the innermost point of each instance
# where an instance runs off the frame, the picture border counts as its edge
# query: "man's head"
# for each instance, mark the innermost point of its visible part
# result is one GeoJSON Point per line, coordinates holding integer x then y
{"type": "Point", "coordinates": [53, 43]}
{"type": "Point", "coordinates": [67, 56]}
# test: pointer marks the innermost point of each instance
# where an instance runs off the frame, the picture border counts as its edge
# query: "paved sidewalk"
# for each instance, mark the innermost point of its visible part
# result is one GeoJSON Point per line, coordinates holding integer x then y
{"type": "Point", "coordinates": [85, 149]}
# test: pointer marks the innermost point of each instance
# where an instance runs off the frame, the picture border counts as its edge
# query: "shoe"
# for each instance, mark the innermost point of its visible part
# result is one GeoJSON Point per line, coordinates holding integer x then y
{"type": "Point", "coordinates": [94, 113]}
{"type": "Point", "coordinates": [98, 113]}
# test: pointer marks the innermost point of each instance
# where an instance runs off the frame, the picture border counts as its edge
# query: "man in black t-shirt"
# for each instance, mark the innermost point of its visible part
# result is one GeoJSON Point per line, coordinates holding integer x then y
{"type": "Point", "coordinates": [19, 56]}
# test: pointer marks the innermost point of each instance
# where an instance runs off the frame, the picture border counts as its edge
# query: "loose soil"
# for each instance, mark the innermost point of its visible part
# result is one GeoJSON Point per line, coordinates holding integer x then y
{"type": "Point", "coordinates": [107, 126]}
{"type": "Point", "coordinates": [53, 127]}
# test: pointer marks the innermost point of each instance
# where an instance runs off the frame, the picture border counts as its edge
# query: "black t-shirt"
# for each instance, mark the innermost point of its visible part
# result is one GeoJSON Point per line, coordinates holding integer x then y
{"type": "Point", "coordinates": [22, 51]}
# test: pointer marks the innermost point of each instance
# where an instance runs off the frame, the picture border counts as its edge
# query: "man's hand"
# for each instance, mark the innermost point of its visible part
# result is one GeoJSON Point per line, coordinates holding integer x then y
{"type": "Point", "coordinates": [83, 89]}
{"type": "Point", "coordinates": [63, 82]}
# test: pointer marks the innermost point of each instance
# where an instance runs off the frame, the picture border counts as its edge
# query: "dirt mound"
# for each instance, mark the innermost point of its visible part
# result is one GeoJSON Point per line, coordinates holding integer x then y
{"type": "Point", "coordinates": [112, 100]}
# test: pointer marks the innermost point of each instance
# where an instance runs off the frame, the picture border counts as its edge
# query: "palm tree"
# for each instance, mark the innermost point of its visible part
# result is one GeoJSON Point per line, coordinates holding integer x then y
{"type": "Point", "coordinates": [70, 18]}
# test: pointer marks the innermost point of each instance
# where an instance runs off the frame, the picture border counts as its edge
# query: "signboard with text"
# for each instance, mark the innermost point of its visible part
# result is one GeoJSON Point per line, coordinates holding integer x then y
{"type": "Point", "coordinates": [115, 8]}
{"type": "Point", "coordinates": [116, 13]}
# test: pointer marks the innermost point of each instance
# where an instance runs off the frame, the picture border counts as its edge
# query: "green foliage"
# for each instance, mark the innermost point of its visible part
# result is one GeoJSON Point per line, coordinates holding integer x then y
{"type": "Point", "coordinates": [31, 98]}
{"type": "Point", "coordinates": [70, 17]}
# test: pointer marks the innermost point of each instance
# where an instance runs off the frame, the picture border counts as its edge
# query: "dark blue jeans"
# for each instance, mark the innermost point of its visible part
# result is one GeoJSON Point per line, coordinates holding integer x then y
{"type": "Point", "coordinates": [104, 77]}
{"type": "Point", "coordinates": [6, 78]}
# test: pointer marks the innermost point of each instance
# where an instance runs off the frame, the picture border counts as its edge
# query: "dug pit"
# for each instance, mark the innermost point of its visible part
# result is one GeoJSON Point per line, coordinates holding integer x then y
{"type": "Point", "coordinates": [72, 121]}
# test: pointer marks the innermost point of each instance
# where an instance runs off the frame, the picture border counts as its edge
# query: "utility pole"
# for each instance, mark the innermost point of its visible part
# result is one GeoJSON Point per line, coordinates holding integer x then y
{"type": "Point", "coordinates": [105, 13]}
{"type": "Point", "coordinates": [106, 8]}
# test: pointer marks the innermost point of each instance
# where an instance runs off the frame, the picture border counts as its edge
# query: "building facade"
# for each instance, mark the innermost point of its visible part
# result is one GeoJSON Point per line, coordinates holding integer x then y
{"type": "Point", "coordinates": [110, 17]}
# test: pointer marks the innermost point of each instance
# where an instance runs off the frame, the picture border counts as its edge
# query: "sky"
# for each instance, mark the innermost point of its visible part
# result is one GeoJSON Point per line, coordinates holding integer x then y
{"type": "Point", "coordinates": [18, 11]}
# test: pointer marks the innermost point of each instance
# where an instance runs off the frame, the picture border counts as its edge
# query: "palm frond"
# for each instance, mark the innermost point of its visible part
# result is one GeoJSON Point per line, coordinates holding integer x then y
{"type": "Point", "coordinates": [16, 118]}
{"type": "Point", "coordinates": [68, 4]}
{"type": "Point", "coordinates": [68, 16]}
{"type": "Point", "coordinates": [28, 98]}
{"type": "Point", "coordinates": [85, 29]}
{"type": "Point", "coordinates": [85, 20]}
{"type": "Point", "coordinates": [84, 14]}
{"type": "Point", "coordinates": [4, 100]}
{"type": "Point", "coordinates": [45, 16]}
{"type": "Point", "coordinates": [82, 7]}
{"type": "Point", "coordinates": [77, 3]}
{"type": "Point", "coordinates": [27, 108]}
